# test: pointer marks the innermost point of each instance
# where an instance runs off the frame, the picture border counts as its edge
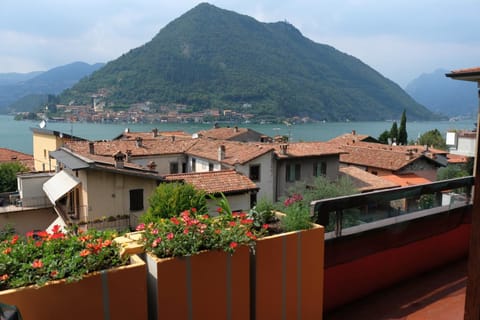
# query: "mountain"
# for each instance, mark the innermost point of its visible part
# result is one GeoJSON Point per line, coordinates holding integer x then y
{"type": "Point", "coordinates": [444, 95]}
{"type": "Point", "coordinates": [16, 86]}
{"type": "Point", "coordinates": [211, 57]}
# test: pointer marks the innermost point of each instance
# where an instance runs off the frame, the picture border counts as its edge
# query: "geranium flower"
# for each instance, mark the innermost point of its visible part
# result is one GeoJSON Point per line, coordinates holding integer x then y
{"type": "Point", "coordinates": [4, 277]}
{"type": "Point", "coordinates": [7, 250]}
{"type": "Point", "coordinates": [141, 227]}
{"type": "Point", "coordinates": [37, 263]}
{"type": "Point", "coordinates": [233, 245]}
{"type": "Point", "coordinates": [84, 253]}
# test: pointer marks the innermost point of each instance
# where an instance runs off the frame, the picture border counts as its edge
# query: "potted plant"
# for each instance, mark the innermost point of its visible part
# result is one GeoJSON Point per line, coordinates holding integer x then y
{"type": "Point", "coordinates": [48, 275]}
{"type": "Point", "coordinates": [288, 264]}
{"type": "Point", "coordinates": [199, 265]}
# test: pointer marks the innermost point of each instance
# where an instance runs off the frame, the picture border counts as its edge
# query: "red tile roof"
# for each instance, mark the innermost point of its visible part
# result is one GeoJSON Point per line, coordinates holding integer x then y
{"type": "Point", "coordinates": [405, 180]}
{"type": "Point", "coordinates": [222, 133]}
{"type": "Point", "coordinates": [365, 181]}
{"type": "Point", "coordinates": [147, 147]}
{"type": "Point", "coordinates": [350, 138]}
{"type": "Point", "coordinates": [378, 158]}
{"type": "Point", "coordinates": [8, 155]}
{"type": "Point", "coordinates": [456, 158]}
{"type": "Point", "coordinates": [128, 135]}
{"type": "Point", "coordinates": [235, 152]}
{"type": "Point", "coordinates": [466, 70]}
{"type": "Point", "coordinates": [226, 181]}
{"type": "Point", "coordinates": [306, 149]}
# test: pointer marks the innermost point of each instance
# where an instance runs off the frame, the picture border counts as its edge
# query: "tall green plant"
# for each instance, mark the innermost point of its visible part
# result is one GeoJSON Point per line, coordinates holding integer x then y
{"type": "Point", "coordinates": [170, 199]}
{"type": "Point", "coordinates": [8, 175]}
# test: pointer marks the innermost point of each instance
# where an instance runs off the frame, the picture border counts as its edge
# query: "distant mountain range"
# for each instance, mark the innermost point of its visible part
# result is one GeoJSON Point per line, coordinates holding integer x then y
{"type": "Point", "coordinates": [35, 86]}
{"type": "Point", "coordinates": [214, 58]}
{"type": "Point", "coordinates": [444, 95]}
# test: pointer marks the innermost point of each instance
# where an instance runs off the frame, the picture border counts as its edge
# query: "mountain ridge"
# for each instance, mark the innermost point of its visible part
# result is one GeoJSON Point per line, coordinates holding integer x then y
{"type": "Point", "coordinates": [211, 57]}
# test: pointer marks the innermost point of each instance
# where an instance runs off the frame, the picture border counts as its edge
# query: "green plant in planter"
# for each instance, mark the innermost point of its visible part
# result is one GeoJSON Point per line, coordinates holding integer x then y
{"type": "Point", "coordinates": [262, 213]}
{"type": "Point", "coordinates": [297, 214]}
{"type": "Point", "coordinates": [190, 233]}
{"type": "Point", "coordinates": [41, 256]}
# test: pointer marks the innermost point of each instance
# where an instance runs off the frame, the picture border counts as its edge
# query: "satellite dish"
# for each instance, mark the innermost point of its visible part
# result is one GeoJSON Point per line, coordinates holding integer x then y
{"type": "Point", "coordinates": [42, 124]}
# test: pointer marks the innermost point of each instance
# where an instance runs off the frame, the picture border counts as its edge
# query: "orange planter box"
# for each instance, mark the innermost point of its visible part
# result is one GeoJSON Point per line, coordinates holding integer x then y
{"type": "Point", "coordinates": [289, 275]}
{"type": "Point", "coordinates": [119, 293]}
{"type": "Point", "coordinates": [210, 285]}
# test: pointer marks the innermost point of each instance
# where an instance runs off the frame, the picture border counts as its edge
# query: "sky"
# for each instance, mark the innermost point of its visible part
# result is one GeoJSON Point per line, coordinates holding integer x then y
{"type": "Point", "coordinates": [401, 39]}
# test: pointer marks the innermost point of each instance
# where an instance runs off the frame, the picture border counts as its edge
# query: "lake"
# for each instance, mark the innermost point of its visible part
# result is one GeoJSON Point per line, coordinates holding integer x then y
{"type": "Point", "coordinates": [17, 135]}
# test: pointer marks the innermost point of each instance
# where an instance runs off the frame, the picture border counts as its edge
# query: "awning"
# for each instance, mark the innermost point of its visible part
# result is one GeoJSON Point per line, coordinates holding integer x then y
{"type": "Point", "coordinates": [59, 185]}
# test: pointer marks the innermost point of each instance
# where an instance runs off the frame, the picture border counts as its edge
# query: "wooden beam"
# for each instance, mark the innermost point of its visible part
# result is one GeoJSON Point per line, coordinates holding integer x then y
{"type": "Point", "coordinates": [472, 301]}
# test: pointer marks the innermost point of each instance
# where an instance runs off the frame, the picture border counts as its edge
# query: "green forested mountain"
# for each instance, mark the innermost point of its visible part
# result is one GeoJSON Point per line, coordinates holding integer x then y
{"type": "Point", "coordinates": [210, 57]}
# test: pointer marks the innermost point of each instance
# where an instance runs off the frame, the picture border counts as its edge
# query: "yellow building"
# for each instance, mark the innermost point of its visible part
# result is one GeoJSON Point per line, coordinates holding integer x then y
{"type": "Point", "coordinates": [44, 141]}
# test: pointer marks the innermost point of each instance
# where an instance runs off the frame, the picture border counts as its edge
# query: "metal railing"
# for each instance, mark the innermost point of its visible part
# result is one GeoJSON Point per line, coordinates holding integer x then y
{"type": "Point", "coordinates": [338, 214]}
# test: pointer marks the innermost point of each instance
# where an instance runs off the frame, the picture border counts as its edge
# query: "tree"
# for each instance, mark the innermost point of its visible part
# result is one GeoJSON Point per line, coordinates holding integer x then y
{"type": "Point", "coordinates": [433, 138]}
{"type": "Point", "coordinates": [384, 136]}
{"type": "Point", "coordinates": [394, 132]}
{"type": "Point", "coordinates": [452, 171]}
{"type": "Point", "coordinates": [170, 199]}
{"type": "Point", "coordinates": [402, 132]}
{"type": "Point", "coordinates": [8, 175]}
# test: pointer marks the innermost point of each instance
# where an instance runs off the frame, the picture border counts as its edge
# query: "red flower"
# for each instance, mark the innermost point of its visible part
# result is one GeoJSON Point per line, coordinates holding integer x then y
{"type": "Point", "coordinates": [29, 234]}
{"type": "Point", "coordinates": [54, 274]}
{"type": "Point", "coordinates": [194, 210]}
{"type": "Point", "coordinates": [106, 243]}
{"type": "Point", "coordinates": [246, 221]}
{"type": "Point", "coordinates": [232, 224]}
{"type": "Point", "coordinates": [141, 227]}
{"type": "Point", "coordinates": [174, 220]}
{"type": "Point", "coordinates": [84, 253]}
{"type": "Point", "coordinates": [185, 231]}
{"type": "Point", "coordinates": [7, 250]}
{"type": "Point", "coordinates": [56, 229]}
{"type": "Point", "coordinates": [37, 263]}
{"type": "Point", "coordinates": [219, 210]}
{"type": "Point", "coordinates": [14, 239]}
{"type": "Point", "coordinates": [170, 236]}
{"type": "Point", "coordinates": [233, 245]}
{"type": "Point", "coordinates": [4, 277]}
{"type": "Point", "coordinates": [218, 231]}
{"type": "Point", "coordinates": [265, 226]}
{"type": "Point", "coordinates": [38, 244]}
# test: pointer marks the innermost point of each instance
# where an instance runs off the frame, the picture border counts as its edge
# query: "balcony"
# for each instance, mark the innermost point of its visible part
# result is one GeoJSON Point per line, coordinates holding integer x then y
{"type": "Point", "coordinates": [398, 253]}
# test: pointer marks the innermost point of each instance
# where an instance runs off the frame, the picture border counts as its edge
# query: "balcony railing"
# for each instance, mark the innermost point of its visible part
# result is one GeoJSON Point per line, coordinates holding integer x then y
{"type": "Point", "coordinates": [374, 209]}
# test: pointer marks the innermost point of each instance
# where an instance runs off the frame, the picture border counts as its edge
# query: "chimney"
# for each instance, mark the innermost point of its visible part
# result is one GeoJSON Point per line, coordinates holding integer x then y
{"type": "Point", "coordinates": [138, 142]}
{"type": "Point", "coordinates": [283, 148]}
{"type": "Point", "coordinates": [155, 132]}
{"type": "Point", "coordinates": [235, 129]}
{"type": "Point", "coordinates": [152, 165]}
{"type": "Point", "coordinates": [91, 147]}
{"type": "Point", "coordinates": [354, 132]}
{"type": "Point", "coordinates": [173, 138]}
{"type": "Point", "coordinates": [119, 158]}
{"type": "Point", "coordinates": [128, 156]}
{"type": "Point", "coordinates": [221, 152]}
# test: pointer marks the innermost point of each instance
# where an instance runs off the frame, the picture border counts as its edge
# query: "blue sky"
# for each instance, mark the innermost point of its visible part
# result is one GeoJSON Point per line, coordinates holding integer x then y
{"type": "Point", "coordinates": [400, 39]}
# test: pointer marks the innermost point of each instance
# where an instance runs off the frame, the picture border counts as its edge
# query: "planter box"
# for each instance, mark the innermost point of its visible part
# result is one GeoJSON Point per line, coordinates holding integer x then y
{"type": "Point", "coordinates": [210, 285]}
{"type": "Point", "coordinates": [119, 293]}
{"type": "Point", "coordinates": [288, 275]}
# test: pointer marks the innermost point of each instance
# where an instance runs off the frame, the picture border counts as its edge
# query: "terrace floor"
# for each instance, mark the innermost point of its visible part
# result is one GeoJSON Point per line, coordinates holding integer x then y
{"type": "Point", "coordinates": [436, 295]}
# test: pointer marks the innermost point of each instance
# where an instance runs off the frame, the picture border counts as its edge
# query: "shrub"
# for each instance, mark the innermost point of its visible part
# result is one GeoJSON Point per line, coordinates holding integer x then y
{"type": "Point", "coordinates": [169, 199]}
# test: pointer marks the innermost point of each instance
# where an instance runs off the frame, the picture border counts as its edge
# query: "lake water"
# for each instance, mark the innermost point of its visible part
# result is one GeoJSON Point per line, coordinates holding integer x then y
{"type": "Point", "coordinates": [17, 135]}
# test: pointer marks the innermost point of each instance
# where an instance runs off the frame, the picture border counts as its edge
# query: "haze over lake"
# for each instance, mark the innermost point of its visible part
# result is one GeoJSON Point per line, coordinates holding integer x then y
{"type": "Point", "coordinates": [17, 135]}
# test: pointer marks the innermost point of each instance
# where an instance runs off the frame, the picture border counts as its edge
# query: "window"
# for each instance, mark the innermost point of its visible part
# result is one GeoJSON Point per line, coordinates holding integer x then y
{"type": "Point", "coordinates": [319, 169]}
{"type": "Point", "coordinates": [136, 199]}
{"type": "Point", "coordinates": [255, 172]}
{"type": "Point", "coordinates": [210, 166]}
{"type": "Point", "coordinates": [173, 167]}
{"type": "Point", "coordinates": [293, 172]}
{"type": "Point", "coordinates": [184, 167]}
{"type": "Point", "coordinates": [253, 199]}
{"type": "Point", "coordinates": [194, 164]}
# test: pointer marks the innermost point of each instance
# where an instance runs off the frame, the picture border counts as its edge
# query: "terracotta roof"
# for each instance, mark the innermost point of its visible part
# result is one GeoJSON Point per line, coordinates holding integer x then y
{"type": "Point", "coordinates": [225, 133]}
{"type": "Point", "coordinates": [235, 152]}
{"type": "Point", "coordinates": [350, 137]}
{"type": "Point", "coordinates": [128, 135]}
{"type": "Point", "coordinates": [306, 149]}
{"type": "Point", "coordinates": [377, 158]}
{"type": "Point", "coordinates": [456, 158]}
{"type": "Point", "coordinates": [365, 181]}
{"type": "Point", "coordinates": [226, 181]}
{"type": "Point", "coordinates": [8, 155]}
{"type": "Point", "coordinates": [147, 147]}
{"type": "Point", "coordinates": [469, 74]}
{"type": "Point", "coordinates": [405, 180]}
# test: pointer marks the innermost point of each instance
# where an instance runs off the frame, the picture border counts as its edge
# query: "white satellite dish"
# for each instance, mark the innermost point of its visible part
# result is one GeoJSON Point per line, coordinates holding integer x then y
{"type": "Point", "coordinates": [42, 124]}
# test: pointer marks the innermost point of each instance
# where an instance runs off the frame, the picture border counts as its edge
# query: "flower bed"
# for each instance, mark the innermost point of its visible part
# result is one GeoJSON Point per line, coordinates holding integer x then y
{"type": "Point", "coordinates": [74, 276]}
